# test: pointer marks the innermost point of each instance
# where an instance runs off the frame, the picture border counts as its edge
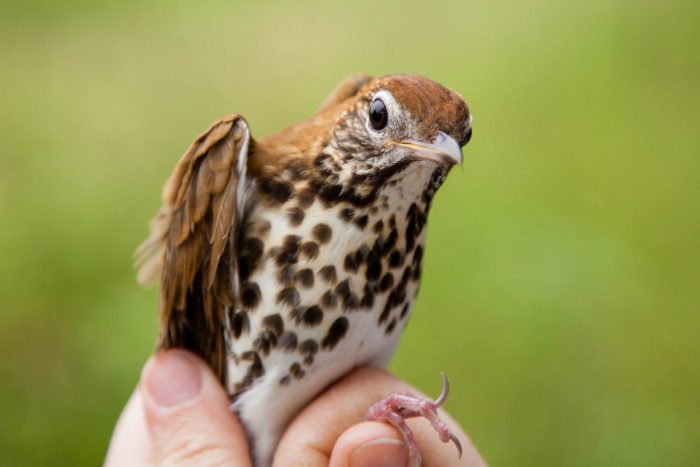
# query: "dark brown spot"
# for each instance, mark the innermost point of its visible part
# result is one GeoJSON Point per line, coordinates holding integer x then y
{"type": "Point", "coordinates": [347, 214]}
{"type": "Point", "coordinates": [289, 296]}
{"type": "Point", "coordinates": [265, 341]}
{"type": "Point", "coordinates": [395, 259]}
{"type": "Point", "coordinates": [309, 360]}
{"type": "Point", "coordinates": [295, 215]}
{"type": "Point", "coordinates": [416, 221]}
{"type": "Point", "coordinates": [328, 274]}
{"type": "Point", "coordinates": [309, 346]}
{"type": "Point", "coordinates": [387, 310]}
{"type": "Point", "coordinates": [296, 371]}
{"type": "Point", "coordinates": [312, 316]}
{"type": "Point", "coordinates": [328, 300]}
{"type": "Point", "coordinates": [418, 254]}
{"type": "Point", "coordinates": [392, 221]}
{"type": "Point", "coordinates": [386, 282]}
{"type": "Point", "coordinates": [396, 298]}
{"type": "Point", "coordinates": [391, 241]}
{"type": "Point", "coordinates": [378, 226]}
{"type": "Point", "coordinates": [416, 271]}
{"type": "Point", "coordinates": [374, 270]}
{"type": "Point", "coordinates": [361, 222]}
{"type": "Point", "coordinates": [350, 301]}
{"type": "Point", "coordinates": [274, 323]}
{"type": "Point", "coordinates": [286, 274]}
{"type": "Point", "coordinates": [240, 324]}
{"type": "Point", "coordinates": [330, 194]}
{"type": "Point", "coordinates": [285, 380]}
{"type": "Point", "coordinates": [335, 333]}
{"type": "Point", "coordinates": [305, 277]}
{"type": "Point", "coordinates": [377, 249]}
{"type": "Point", "coordinates": [404, 311]}
{"type": "Point", "coordinates": [289, 253]}
{"type": "Point", "coordinates": [322, 233]}
{"type": "Point", "coordinates": [361, 254]}
{"type": "Point", "coordinates": [343, 288]}
{"type": "Point", "coordinates": [278, 192]}
{"type": "Point", "coordinates": [390, 327]}
{"type": "Point", "coordinates": [410, 235]}
{"type": "Point", "coordinates": [296, 313]}
{"type": "Point", "coordinates": [250, 252]}
{"type": "Point", "coordinates": [368, 298]}
{"type": "Point", "coordinates": [309, 250]}
{"type": "Point", "coordinates": [256, 369]}
{"type": "Point", "coordinates": [350, 264]}
{"type": "Point", "coordinates": [288, 341]}
{"type": "Point", "coordinates": [250, 295]}
{"type": "Point", "coordinates": [412, 211]}
{"type": "Point", "coordinates": [406, 276]}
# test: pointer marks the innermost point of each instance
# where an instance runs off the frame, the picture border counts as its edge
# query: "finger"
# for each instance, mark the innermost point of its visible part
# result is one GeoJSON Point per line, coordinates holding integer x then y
{"type": "Point", "coordinates": [187, 413]}
{"type": "Point", "coordinates": [130, 444]}
{"type": "Point", "coordinates": [374, 444]}
{"type": "Point", "coordinates": [313, 434]}
{"type": "Point", "coordinates": [369, 444]}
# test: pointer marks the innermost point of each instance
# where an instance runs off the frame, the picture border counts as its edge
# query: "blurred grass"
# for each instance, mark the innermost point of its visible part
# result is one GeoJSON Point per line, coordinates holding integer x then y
{"type": "Point", "coordinates": [561, 285]}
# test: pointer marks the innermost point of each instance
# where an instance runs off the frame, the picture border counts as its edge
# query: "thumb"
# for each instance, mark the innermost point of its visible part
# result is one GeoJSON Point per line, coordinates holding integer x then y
{"type": "Point", "coordinates": [187, 413]}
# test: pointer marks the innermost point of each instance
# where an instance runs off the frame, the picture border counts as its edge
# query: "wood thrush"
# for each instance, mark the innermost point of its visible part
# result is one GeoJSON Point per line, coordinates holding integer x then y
{"type": "Point", "coordinates": [286, 262]}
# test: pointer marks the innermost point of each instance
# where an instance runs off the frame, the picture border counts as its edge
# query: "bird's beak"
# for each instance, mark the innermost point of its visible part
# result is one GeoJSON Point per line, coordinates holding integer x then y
{"type": "Point", "coordinates": [444, 150]}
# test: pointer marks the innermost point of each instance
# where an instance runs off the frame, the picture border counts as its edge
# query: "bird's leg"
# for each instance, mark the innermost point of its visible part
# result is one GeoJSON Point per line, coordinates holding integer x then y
{"type": "Point", "coordinates": [397, 407]}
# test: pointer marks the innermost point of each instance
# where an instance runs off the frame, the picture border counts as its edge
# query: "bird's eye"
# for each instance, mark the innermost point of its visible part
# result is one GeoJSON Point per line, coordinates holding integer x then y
{"type": "Point", "coordinates": [378, 115]}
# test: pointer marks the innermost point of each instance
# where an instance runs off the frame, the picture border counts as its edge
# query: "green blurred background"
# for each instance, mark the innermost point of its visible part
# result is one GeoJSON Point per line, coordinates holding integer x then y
{"type": "Point", "coordinates": [562, 278]}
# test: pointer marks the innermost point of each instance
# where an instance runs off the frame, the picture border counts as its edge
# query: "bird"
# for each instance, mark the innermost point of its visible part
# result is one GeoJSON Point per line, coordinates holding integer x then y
{"type": "Point", "coordinates": [285, 262]}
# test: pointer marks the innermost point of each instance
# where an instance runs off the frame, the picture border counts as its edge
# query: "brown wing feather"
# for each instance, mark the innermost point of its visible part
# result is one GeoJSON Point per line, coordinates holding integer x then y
{"type": "Point", "coordinates": [192, 243]}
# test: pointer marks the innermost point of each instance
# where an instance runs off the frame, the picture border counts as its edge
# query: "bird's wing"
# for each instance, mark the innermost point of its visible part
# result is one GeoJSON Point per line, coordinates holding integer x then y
{"type": "Point", "coordinates": [192, 246]}
{"type": "Point", "coordinates": [344, 90]}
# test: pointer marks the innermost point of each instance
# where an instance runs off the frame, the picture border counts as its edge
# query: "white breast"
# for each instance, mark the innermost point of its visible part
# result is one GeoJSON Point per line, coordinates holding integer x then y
{"type": "Point", "coordinates": [290, 380]}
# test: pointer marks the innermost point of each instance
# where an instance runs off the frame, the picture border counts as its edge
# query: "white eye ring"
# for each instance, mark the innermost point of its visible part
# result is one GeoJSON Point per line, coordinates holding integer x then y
{"type": "Point", "coordinates": [392, 109]}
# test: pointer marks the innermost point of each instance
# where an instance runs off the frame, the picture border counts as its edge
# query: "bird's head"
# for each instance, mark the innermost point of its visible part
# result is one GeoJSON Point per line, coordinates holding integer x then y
{"type": "Point", "coordinates": [397, 130]}
{"type": "Point", "coordinates": [398, 120]}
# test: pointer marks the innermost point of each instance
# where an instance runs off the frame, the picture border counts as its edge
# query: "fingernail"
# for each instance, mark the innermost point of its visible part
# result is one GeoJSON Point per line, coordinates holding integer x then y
{"type": "Point", "coordinates": [172, 378]}
{"type": "Point", "coordinates": [384, 452]}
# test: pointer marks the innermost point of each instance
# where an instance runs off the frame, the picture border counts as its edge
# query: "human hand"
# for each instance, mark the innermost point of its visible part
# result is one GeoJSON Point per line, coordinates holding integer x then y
{"type": "Point", "coordinates": [179, 414]}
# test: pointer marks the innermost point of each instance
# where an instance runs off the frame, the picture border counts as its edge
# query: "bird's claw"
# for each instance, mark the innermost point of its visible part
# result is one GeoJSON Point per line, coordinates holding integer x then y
{"type": "Point", "coordinates": [457, 444]}
{"type": "Point", "coordinates": [397, 407]}
{"type": "Point", "coordinates": [445, 391]}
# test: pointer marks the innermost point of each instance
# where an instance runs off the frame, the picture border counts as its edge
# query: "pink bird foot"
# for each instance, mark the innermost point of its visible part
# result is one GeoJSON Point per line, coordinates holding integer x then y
{"type": "Point", "coordinates": [399, 406]}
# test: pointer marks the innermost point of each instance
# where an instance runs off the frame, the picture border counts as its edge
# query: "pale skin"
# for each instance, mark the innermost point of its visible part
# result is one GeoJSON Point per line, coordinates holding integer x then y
{"type": "Point", "coordinates": [178, 415]}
